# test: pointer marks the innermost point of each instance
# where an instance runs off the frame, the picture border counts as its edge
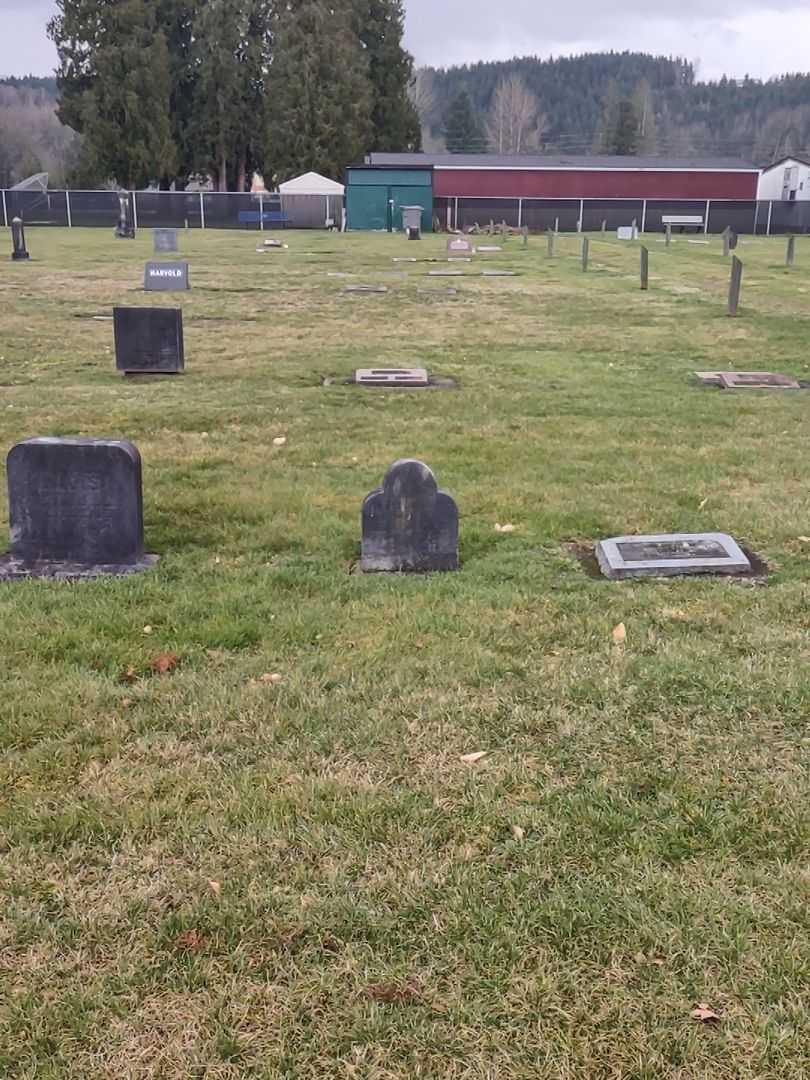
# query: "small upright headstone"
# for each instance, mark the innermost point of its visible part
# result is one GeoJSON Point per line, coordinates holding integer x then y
{"type": "Point", "coordinates": [18, 250]}
{"type": "Point", "coordinates": [790, 254]}
{"type": "Point", "coordinates": [164, 240]}
{"type": "Point", "coordinates": [735, 285]}
{"type": "Point", "coordinates": [625, 232]}
{"type": "Point", "coordinates": [409, 524]}
{"type": "Point", "coordinates": [586, 248]}
{"type": "Point", "coordinates": [459, 245]}
{"type": "Point", "coordinates": [645, 268]}
{"type": "Point", "coordinates": [148, 341]}
{"type": "Point", "coordinates": [166, 277]}
{"type": "Point", "coordinates": [125, 229]}
{"type": "Point", "coordinates": [75, 509]}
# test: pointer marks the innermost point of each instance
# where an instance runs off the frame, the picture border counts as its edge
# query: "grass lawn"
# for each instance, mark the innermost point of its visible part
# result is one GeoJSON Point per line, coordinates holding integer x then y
{"type": "Point", "coordinates": [208, 874]}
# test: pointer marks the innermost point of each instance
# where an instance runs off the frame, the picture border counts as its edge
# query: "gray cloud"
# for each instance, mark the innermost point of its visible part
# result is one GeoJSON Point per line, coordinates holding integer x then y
{"type": "Point", "coordinates": [735, 37]}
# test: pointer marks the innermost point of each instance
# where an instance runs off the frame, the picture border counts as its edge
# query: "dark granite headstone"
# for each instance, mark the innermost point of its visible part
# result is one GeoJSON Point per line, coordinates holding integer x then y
{"type": "Point", "coordinates": [409, 523]}
{"type": "Point", "coordinates": [735, 285]}
{"type": "Point", "coordinates": [164, 240]}
{"type": "Point", "coordinates": [166, 276]}
{"type": "Point", "coordinates": [19, 250]}
{"type": "Point", "coordinates": [75, 508]}
{"type": "Point", "coordinates": [149, 340]}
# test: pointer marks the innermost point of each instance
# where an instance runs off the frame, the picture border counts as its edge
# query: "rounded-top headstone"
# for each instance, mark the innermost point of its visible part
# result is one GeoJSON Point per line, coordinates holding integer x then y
{"type": "Point", "coordinates": [409, 524]}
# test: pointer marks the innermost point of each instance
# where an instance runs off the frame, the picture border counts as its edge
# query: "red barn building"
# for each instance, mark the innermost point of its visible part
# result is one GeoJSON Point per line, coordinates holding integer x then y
{"type": "Point", "coordinates": [537, 190]}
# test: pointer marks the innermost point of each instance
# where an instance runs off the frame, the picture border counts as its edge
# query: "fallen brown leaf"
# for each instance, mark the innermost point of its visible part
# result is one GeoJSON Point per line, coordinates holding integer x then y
{"type": "Point", "coordinates": [392, 993]}
{"type": "Point", "coordinates": [129, 676]}
{"type": "Point", "coordinates": [704, 1013]}
{"type": "Point", "coordinates": [471, 759]}
{"type": "Point", "coordinates": [517, 832]}
{"type": "Point", "coordinates": [620, 634]}
{"type": "Point", "coordinates": [164, 663]}
{"type": "Point", "coordinates": [127, 703]}
{"type": "Point", "coordinates": [505, 528]}
{"type": "Point", "coordinates": [189, 941]}
{"type": "Point", "coordinates": [215, 888]}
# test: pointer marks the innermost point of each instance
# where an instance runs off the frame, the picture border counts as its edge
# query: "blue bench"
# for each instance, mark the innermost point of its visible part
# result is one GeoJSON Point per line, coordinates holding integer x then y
{"type": "Point", "coordinates": [270, 217]}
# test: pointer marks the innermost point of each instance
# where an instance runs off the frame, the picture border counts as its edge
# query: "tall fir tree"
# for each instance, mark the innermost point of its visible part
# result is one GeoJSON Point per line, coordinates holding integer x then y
{"type": "Point", "coordinates": [318, 92]}
{"type": "Point", "coordinates": [395, 124]}
{"type": "Point", "coordinates": [176, 19]}
{"type": "Point", "coordinates": [231, 53]}
{"type": "Point", "coordinates": [626, 137]}
{"type": "Point", "coordinates": [114, 85]}
{"type": "Point", "coordinates": [463, 130]}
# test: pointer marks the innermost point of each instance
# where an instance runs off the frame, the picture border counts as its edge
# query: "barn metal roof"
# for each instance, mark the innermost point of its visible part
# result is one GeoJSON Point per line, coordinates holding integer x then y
{"type": "Point", "coordinates": [553, 161]}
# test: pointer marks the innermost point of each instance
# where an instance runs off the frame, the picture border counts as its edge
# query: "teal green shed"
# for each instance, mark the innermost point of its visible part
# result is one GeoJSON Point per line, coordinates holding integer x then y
{"type": "Point", "coordinates": [375, 197]}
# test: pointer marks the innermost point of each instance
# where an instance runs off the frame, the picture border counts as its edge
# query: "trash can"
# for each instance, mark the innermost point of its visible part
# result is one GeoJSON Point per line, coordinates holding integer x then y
{"type": "Point", "coordinates": [412, 221]}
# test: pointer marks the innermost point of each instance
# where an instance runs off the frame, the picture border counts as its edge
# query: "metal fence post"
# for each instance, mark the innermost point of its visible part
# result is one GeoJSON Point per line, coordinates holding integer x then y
{"type": "Point", "coordinates": [67, 208]}
{"type": "Point", "coordinates": [643, 217]}
{"type": "Point", "coordinates": [261, 212]}
{"type": "Point", "coordinates": [134, 209]}
{"type": "Point", "coordinates": [706, 220]}
{"type": "Point", "coordinates": [770, 215]}
{"type": "Point", "coordinates": [520, 213]}
{"type": "Point", "coordinates": [202, 212]}
{"type": "Point", "coordinates": [5, 212]}
{"type": "Point", "coordinates": [581, 214]}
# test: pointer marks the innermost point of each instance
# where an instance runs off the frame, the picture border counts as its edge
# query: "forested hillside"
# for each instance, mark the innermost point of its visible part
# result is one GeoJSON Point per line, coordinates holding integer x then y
{"type": "Point", "coordinates": [573, 100]}
{"type": "Point", "coordinates": [31, 137]}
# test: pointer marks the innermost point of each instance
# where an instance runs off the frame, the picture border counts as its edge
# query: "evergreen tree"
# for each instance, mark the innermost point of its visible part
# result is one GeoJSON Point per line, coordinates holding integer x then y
{"type": "Point", "coordinates": [114, 86]}
{"type": "Point", "coordinates": [231, 49]}
{"type": "Point", "coordinates": [626, 136]}
{"type": "Point", "coordinates": [318, 92]}
{"type": "Point", "coordinates": [176, 19]}
{"type": "Point", "coordinates": [463, 130]}
{"type": "Point", "coordinates": [395, 122]}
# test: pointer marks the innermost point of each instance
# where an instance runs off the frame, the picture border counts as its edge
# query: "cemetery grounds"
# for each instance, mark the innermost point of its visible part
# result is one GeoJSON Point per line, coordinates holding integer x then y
{"type": "Point", "coordinates": [246, 830]}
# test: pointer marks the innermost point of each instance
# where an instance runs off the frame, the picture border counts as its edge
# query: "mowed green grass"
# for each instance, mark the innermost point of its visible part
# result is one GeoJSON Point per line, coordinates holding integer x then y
{"type": "Point", "coordinates": [205, 874]}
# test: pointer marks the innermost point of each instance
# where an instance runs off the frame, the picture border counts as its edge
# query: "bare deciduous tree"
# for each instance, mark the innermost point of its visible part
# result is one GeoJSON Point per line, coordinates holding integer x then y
{"type": "Point", "coordinates": [515, 124]}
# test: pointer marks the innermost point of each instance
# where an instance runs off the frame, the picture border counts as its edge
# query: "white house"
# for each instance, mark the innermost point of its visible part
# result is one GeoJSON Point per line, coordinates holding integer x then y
{"type": "Point", "coordinates": [787, 180]}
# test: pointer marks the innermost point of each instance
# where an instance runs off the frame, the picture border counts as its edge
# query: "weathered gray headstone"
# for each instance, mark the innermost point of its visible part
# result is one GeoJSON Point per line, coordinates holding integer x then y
{"type": "Point", "coordinates": [625, 232]}
{"type": "Point", "coordinates": [409, 524]}
{"type": "Point", "coordinates": [790, 254]}
{"type": "Point", "coordinates": [586, 250]}
{"type": "Point", "coordinates": [164, 240]}
{"type": "Point", "coordinates": [735, 285]}
{"type": "Point", "coordinates": [645, 268]}
{"type": "Point", "coordinates": [670, 555]}
{"type": "Point", "coordinates": [75, 509]}
{"type": "Point", "coordinates": [391, 377]}
{"type": "Point", "coordinates": [125, 229]}
{"type": "Point", "coordinates": [18, 249]}
{"type": "Point", "coordinates": [148, 341]}
{"type": "Point", "coordinates": [166, 277]}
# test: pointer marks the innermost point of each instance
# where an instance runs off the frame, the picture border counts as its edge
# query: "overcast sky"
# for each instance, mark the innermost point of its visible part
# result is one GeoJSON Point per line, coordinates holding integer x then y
{"type": "Point", "coordinates": [733, 37]}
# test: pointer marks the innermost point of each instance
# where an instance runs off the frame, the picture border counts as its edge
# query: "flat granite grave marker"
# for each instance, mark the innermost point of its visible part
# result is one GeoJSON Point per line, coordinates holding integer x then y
{"type": "Point", "coordinates": [756, 380]}
{"type": "Point", "coordinates": [366, 289]}
{"type": "Point", "coordinates": [149, 341]}
{"type": "Point", "coordinates": [75, 509]}
{"type": "Point", "coordinates": [409, 524]}
{"type": "Point", "coordinates": [459, 245]}
{"type": "Point", "coordinates": [164, 240]}
{"type": "Point", "coordinates": [391, 377]}
{"type": "Point", "coordinates": [19, 251]}
{"type": "Point", "coordinates": [488, 247]}
{"type": "Point", "coordinates": [670, 555]}
{"type": "Point", "coordinates": [166, 277]}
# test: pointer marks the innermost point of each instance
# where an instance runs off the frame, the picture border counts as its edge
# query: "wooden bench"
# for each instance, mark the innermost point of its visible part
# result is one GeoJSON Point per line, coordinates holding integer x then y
{"type": "Point", "coordinates": [269, 217]}
{"type": "Point", "coordinates": [682, 222]}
